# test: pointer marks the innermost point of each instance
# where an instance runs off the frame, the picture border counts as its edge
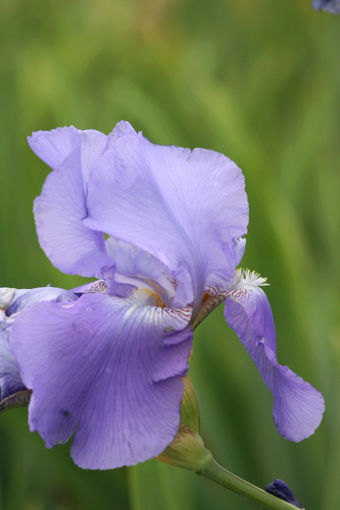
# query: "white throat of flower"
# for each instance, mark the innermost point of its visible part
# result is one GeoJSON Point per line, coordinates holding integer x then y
{"type": "Point", "coordinates": [146, 297]}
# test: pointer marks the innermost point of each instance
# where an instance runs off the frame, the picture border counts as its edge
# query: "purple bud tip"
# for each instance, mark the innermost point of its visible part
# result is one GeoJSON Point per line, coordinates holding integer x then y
{"type": "Point", "coordinates": [281, 490]}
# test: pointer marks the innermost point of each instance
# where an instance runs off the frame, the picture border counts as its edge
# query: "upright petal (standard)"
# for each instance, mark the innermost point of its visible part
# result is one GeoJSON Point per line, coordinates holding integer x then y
{"type": "Point", "coordinates": [185, 207]}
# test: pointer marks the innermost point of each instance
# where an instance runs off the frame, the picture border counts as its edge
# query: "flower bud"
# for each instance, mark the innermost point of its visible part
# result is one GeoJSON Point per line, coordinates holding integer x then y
{"type": "Point", "coordinates": [187, 450]}
{"type": "Point", "coordinates": [281, 490]}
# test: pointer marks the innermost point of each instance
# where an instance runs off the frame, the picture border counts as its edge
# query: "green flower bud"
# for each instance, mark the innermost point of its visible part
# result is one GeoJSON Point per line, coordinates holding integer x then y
{"type": "Point", "coordinates": [187, 450]}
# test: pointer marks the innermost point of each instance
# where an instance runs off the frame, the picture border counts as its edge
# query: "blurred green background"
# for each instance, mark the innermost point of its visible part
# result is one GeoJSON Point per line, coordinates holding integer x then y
{"type": "Point", "coordinates": [257, 80]}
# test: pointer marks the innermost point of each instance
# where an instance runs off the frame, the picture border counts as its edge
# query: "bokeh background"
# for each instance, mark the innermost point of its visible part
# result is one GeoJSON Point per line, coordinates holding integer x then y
{"type": "Point", "coordinates": [257, 80]}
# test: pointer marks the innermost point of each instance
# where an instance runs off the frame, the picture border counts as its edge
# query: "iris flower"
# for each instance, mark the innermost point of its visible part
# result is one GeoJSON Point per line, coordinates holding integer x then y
{"type": "Point", "coordinates": [160, 228]}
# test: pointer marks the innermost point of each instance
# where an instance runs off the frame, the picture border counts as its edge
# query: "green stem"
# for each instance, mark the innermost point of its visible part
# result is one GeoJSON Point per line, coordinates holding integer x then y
{"type": "Point", "coordinates": [218, 474]}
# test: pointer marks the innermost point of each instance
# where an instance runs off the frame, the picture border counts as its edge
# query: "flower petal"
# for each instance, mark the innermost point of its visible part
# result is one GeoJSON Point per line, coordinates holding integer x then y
{"type": "Point", "coordinates": [61, 206]}
{"type": "Point", "coordinates": [122, 128]}
{"type": "Point", "coordinates": [101, 369]}
{"type": "Point", "coordinates": [25, 297]}
{"type": "Point", "coordinates": [142, 269]}
{"type": "Point", "coordinates": [10, 379]}
{"type": "Point", "coordinates": [240, 248]}
{"type": "Point", "coordinates": [59, 210]}
{"type": "Point", "coordinates": [12, 302]}
{"type": "Point", "coordinates": [298, 407]}
{"type": "Point", "coordinates": [184, 207]}
{"type": "Point", "coordinates": [54, 146]}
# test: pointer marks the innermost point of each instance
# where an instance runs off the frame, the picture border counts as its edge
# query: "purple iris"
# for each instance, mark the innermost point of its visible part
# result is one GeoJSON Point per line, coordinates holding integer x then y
{"type": "Point", "coordinates": [160, 228]}
{"type": "Point", "coordinates": [332, 6]}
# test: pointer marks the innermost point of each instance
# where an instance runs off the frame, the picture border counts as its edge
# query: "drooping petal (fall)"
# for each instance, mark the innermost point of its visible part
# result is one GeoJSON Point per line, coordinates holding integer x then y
{"type": "Point", "coordinates": [107, 370]}
{"type": "Point", "coordinates": [297, 407]}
